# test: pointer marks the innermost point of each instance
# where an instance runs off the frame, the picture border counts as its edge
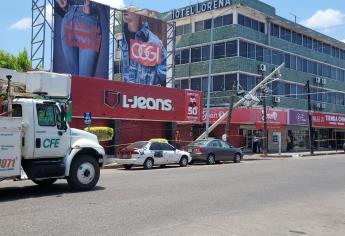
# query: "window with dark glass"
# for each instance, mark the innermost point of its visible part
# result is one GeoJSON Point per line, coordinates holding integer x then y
{"type": "Point", "coordinates": [117, 67]}
{"type": "Point", "coordinates": [179, 30]}
{"type": "Point", "coordinates": [231, 48]}
{"type": "Point", "coordinates": [218, 21]}
{"type": "Point", "coordinates": [299, 64]}
{"type": "Point", "coordinates": [205, 52]}
{"type": "Point", "coordinates": [255, 25]}
{"type": "Point", "coordinates": [287, 90]}
{"type": "Point", "coordinates": [267, 55]}
{"type": "Point", "coordinates": [243, 49]}
{"type": "Point", "coordinates": [278, 88]}
{"type": "Point", "coordinates": [247, 22]}
{"type": "Point", "coordinates": [243, 81]}
{"type": "Point", "coordinates": [287, 60]}
{"type": "Point", "coordinates": [227, 19]}
{"type": "Point", "coordinates": [277, 57]}
{"type": "Point", "coordinates": [251, 51]}
{"type": "Point", "coordinates": [293, 90]}
{"type": "Point", "coordinates": [207, 24]}
{"type": "Point", "coordinates": [326, 49]}
{"type": "Point", "coordinates": [301, 92]}
{"type": "Point", "coordinates": [241, 19]}
{"type": "Point", "coordinates": [196, 54]}
{"type": "Point", "coordinates": [185, 84]}
{"type": "Point", "coordinates": [230, 81]}
{"type": "Point", "coordinates": [262, 27]}
{"type": "Point", "coordinates": [17, 110]}
{"type": "Point", "coordinates": [293, 62]}
{"type": "Point", "coordinates": [251, 82]}
{"type": "Point", "coordinates": [305, 65]}
{"type": "Point", "coordinates": [218, 83]}
{"type": "Point", "coordinates": [177, 57]}
{"type": "Point", "coordinates": [195, 84]}
{"type": "Point", "coordinates": [184, 56]}
{"type": "Point", "coordinates": [333, 73]}
{"type": "Point", "coordinates": [199, 26]}
{"type": "Point", "coordinates": [259, 53]}
{"type": "Point", "coordinates": [340, 98]}
{"type": "Point", "coordinates": [275, 30]}
{"type": "Point", "coordinates": [187, 29]}
{"type": "Point", "coordinates": [219, 50]}
{"type": "Point", "coordinates": [178, 84]}
{"type": "Point", "coordinates": [204, 83]}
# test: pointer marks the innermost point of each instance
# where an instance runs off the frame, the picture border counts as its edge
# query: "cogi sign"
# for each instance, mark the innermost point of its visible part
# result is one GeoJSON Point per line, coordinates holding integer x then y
{"type": "Point", "coordinates": [145, 53]}
{"type": "Point", "coordinates": [199, 8]}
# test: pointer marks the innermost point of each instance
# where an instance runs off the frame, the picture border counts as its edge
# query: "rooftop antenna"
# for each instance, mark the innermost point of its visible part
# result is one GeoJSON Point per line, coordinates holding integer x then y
{"type": "Point", "coordinates": [295, 17]}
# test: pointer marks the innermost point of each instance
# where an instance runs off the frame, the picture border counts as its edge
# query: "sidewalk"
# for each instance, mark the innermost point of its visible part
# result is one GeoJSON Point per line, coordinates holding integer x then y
{"type": "Point", "coordinates": [260, 156]}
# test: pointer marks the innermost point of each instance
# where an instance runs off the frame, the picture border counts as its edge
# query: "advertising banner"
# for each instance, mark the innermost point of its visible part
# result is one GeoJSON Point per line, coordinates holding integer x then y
{"type": "Point", "coordinates": [275, 117]}
{"type": "Point", "coordinates": [118, 100]}
{"type": "Point", "coordinates": [81, 38]}
{"type": "Point", "coordinates": [143, 46]}
{"type": "Point", "coordinates": [193, 106]}
{"type": "Point", "coordinates": [298, 117]}
{"type": "Point", "coordinates": [328, 120]}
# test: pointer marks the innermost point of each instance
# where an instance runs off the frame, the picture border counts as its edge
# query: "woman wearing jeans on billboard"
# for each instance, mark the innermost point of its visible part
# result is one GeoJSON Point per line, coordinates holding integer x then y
{"type": "Point", "coordinates": [80, 36]}
{"type": "Point", "coordinates": [143, 53]}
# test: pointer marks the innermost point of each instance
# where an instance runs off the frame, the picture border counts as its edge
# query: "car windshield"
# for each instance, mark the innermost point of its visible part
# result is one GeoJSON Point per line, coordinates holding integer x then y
{"type": "Point", "coordinates": [199, 143]}
{"type": "Point", "coordinates": [137, 145]}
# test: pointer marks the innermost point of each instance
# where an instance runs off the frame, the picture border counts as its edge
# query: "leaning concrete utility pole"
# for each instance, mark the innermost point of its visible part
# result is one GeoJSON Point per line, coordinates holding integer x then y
{"type": "Point", "coordinates": [247, 100]}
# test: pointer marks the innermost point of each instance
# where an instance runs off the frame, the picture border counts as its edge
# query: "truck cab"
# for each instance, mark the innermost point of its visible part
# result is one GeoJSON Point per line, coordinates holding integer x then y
{"type": "Point", "coordinates": [50, 149]}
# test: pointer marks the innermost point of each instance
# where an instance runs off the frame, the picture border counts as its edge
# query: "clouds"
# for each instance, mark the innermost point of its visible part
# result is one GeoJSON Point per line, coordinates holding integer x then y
{"type": "Point", "coordinates": [343, 40]}
{"type": "Point", "coordinates": [325, 19]}
{"type": "Point", "coordinates": [22, 24]}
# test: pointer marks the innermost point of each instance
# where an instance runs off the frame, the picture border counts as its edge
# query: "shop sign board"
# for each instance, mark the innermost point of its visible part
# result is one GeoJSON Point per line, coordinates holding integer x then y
{"type": "Point", "coordinates": [108, 99]}
{"type": "Point", "coordinates": [298, 118]}
{"type": "Point", "coordinates": [328, 120]}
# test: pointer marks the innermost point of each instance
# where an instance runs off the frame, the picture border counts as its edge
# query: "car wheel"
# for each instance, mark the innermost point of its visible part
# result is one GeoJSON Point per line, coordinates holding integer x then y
{"type": "Point", "coordinates": [148, 164]}
{"type": "Point", "coordinates": [211, 159]}
{"type": "Point", "coordinates": [84, 173]}
{"type": "Point", "coordinates": [127, 167]}
{"type": "Point", "coordinates": [183, 161]}
{"type": "Point", "coordinates": [44, 182]}
{"type": "Point", "coordinates": [237, 158]}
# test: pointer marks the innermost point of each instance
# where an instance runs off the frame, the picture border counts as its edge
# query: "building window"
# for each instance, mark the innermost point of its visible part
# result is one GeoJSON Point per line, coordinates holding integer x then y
{"type": "Point", "coordinates": [267, 55]}
{"type": "Point", "coordinates": [251, 51]}
{"type": "Point", "coordinates": [230, 81]}
{"type": "Point", "coordinates": [218, 83]}
{"type": "Point", "coordinates": [259, 53]}
{"type": "Point", "coordinates": [196, 54]}
{"type": "Point", "coordinates": [207, 24]}
{"type": "Point", "coordinates": [204, 81]}
{"type": "Point", "coordinates": [251, 23]}
{"type": "Point", "coordinates": [275, 30]}
{"type": "Point", "coordinates": [231, 48]}
{"type": "Point", "coordinates": [243, 82]}
{"type": "Point", "coordinates": [205, 53]}
{"type": "Point", "coordinates": [184, 56]}
{"type": "Point", "coordinates": [227, 20]}
{"type": "Point", "coordinates": [199, 26]}
{"type": "Point", "coordinates": [219, 50]}
{"type": "Point", "coordinates": [243, 49]}
{"type": "Point", "coordinates": [185, 84]}
{"type": "Point", "coordinates": [195, 84]}
{"type": "Point", "coordinates": [177, 57]}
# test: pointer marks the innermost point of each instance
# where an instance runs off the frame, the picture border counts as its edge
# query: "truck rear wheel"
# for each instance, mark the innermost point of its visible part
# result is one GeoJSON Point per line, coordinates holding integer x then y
{"type": "Point", "coordinates": [44, 182]}
{"type": "Point", "coordinates": [84, 173]}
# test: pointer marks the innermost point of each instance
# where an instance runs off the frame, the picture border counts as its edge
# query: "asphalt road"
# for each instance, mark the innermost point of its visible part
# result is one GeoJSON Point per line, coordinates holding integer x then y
{"type": "Point", "coordinates": [271, 197]}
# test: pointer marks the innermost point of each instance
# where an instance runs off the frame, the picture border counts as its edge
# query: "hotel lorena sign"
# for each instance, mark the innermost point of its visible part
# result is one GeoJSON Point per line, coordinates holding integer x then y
{"type": "Point", "coordinates": [199, 8]}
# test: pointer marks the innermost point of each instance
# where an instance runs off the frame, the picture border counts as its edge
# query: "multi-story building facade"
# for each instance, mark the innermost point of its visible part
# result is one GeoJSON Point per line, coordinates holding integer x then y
{"type": "Point", "coordinates": [247, 36]}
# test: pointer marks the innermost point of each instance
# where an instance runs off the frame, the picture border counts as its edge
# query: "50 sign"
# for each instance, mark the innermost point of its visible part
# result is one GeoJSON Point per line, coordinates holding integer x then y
{"type": "Point", "coordinates": [7, 164]}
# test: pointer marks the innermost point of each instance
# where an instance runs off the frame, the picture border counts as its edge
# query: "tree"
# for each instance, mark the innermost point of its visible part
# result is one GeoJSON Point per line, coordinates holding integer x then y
{"type": "Point", "coordinates": [19, 63]}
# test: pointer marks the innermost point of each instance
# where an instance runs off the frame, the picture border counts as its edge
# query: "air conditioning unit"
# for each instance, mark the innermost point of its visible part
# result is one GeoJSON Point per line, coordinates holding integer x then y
{"type": "Point", "coordinates": [323, 81]}
{"type": "Point", "coordinates": [276, 99]}
{"type": "Point", "coordinates": [317, 80]}
{"type": "Point", "coordinates": [262, 68]}
{"type": "Point", "coordinates": [323, 105]}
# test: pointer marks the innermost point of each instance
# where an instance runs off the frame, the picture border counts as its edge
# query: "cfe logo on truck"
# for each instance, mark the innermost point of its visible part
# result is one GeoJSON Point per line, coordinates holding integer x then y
{"type": "Point", "coordinates": [51, 143]}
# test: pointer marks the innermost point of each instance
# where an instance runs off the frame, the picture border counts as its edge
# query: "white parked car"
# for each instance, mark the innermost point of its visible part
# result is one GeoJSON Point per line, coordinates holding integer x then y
{"type": "Point", "coordinates": [148, 154]}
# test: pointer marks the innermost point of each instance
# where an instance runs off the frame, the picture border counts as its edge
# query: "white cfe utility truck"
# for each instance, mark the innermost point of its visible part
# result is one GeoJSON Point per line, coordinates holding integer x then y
{"type": "Point", "coordinates": [35, 137]}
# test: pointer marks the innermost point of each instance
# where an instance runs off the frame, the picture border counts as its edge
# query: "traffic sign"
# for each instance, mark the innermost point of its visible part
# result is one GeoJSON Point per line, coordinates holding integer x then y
{"type": "Point", "coordinates": [87, 118]}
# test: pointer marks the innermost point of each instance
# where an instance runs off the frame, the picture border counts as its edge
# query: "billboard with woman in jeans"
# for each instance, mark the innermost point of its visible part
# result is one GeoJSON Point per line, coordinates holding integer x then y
{"type": "Point", "coordinates": [144, 54]}
{"type": "Point", "coordinates": [81, 38]}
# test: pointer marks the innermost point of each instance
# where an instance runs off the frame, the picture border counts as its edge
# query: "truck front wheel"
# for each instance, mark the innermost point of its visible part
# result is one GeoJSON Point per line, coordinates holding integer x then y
{"type": "Point", "coordinates": [84, 173]}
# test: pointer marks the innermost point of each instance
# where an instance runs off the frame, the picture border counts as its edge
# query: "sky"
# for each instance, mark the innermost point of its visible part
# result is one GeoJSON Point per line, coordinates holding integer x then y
{"type": "Point", "coordinates": [327, 17]}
